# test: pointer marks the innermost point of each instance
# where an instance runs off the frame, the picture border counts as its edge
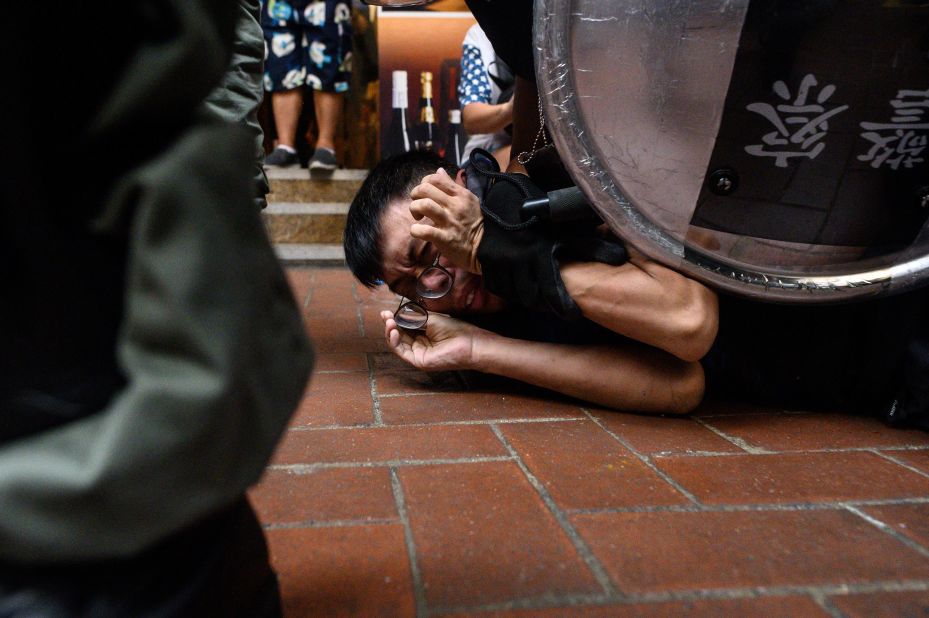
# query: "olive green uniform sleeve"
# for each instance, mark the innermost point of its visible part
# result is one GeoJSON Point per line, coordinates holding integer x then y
{"type": "Point", "coordinates": [214, 354]}
{"type": "Point", "coordinates": [238, 97]}
{"type": "Point", "coordinates": [210, 349]}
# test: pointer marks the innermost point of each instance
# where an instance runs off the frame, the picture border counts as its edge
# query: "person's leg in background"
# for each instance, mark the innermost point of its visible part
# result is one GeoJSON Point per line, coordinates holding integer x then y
{"type": "Point", "coordinates": [286, 106]}
{"type": "Point", "coordinates": [329, 58]}
{"type": "Point", "coordinates": [284, 78]}
{"type": "Point", "coordinates": [328, 111]}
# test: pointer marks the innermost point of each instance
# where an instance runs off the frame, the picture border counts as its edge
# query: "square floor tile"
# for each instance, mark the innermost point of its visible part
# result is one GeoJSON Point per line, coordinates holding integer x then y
{"type": "Point", "coordinates": [768, 607]}
{"type": "Point", "coordinates": [883, 604]}
{"type": "Point", "coordinates": [341, 362]}
{"type": "Point", "coordinates": [387, 444]}
{"type": "Point", "coordinates": [654, 552]}
{"type": "Point", "coordinates": [468, 406]}
{"type": "Point", "coordinates": [328, 494]}
{"type": "Point", "coordinates": [787, 432]}
{"type": "Point", "coordinates": [910, 520]}
{"type": "Point", "coordinates": [583, 467]}
{"type": "Point", "coordinates": [917, 459]}
{"type": "Point", "coordinates": [343, 571]}
{"type": "Point", "coordinates": [483, 535]}
{"type": "Point", "coordinates": [335, 399]}
{"type": "Point", "coordinates": [669, 435]}
{"type": "Point", "coordinates": [794, 478]}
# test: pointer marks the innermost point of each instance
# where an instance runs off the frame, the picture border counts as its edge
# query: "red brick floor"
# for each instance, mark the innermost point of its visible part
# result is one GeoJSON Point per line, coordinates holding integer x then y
{"type": "Point", "coordinates": [397, 493]}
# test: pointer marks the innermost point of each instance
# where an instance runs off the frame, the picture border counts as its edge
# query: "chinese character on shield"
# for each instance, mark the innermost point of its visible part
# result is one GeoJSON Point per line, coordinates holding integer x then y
{"type": "Point", "coordinates": [799, 124]}
{"type": "Point", "coordinates": [902, 140]}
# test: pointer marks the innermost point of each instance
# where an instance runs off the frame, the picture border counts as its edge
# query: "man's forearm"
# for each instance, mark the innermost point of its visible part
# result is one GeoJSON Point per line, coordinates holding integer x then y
{"type": "Point", "coordinates": [632, 377]}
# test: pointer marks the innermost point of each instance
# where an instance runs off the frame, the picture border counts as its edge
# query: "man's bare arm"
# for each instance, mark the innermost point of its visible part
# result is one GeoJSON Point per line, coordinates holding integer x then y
{"type": "Point", "coordinates": [624, 377]}
{"type": "Point", "coordinates": [631, 378]}
{"type": "Point", "coordinates": [648, 302]}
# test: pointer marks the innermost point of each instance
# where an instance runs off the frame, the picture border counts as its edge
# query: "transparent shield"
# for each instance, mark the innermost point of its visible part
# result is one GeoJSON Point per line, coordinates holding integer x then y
{"type": "Point", "coordinates": [765, 152]}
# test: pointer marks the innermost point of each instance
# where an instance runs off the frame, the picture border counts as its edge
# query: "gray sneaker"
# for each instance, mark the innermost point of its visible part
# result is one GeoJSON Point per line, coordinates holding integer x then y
{"type": "Point", "coordinates": [281, 157]}
{"type": "Point", "coordinates": [323, 160]}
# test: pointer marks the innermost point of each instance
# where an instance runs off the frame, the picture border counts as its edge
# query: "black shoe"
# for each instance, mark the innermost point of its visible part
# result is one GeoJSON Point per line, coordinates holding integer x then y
{"type": "Point", "coordinates": [323, 160]}
{"type": "Point", "coordinates": [281, 157]}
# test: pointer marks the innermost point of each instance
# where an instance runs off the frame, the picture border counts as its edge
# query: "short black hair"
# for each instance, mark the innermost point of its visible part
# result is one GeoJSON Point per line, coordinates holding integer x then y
{"type": "Point", "coordinates": [391, 179]}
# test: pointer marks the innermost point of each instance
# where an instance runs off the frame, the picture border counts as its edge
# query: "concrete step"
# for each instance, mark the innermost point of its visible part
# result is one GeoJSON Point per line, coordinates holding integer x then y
{"type": "Point", "coordinates": [305, 216]}
{"type": "Point", "coordinates": [294, 185]}
{"type": "Point", "coordinates": [294, 254]}
{"type": "Point", "coordinates": [305, 223]}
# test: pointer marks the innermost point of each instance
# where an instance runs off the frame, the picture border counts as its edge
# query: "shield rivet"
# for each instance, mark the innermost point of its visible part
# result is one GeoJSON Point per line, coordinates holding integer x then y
{"type": "Point", "coordinates": [723, 181]}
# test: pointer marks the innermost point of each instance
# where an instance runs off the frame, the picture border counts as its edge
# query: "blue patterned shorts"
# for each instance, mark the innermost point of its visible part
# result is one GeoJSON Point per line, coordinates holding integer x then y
{"type": "Point", "coordinates": [307, 43]}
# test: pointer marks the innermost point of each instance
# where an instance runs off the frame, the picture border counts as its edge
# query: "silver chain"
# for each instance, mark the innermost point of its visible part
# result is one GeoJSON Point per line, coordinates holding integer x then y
{"type": "Point", "coordinates": [526, 156]}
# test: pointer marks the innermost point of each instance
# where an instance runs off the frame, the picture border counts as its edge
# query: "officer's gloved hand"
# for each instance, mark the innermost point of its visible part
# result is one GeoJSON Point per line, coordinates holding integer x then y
{"type": "Point", "coordinates": [521, 260]}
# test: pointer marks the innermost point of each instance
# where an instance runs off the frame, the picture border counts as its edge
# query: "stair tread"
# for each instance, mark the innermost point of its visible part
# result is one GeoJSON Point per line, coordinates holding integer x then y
{"type": "Point", "coordinates": [310, 253]}
{"type": "Point", "coordinates": [306, 208]}
{"type": "Point", "coordinates": [301, 173]}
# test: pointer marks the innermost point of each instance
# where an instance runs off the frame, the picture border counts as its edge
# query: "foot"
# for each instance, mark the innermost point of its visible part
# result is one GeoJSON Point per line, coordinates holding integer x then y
{"type": "Point", "coordinates": [282, 157]}
{"type": "Point", "coordinates": [323, 160]}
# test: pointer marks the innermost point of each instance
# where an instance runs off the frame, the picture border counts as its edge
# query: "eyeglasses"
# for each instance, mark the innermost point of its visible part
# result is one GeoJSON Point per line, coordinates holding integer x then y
{"type": "Point", "coordinates": [397, 3]}
{"type": "Point", "coordinates": [433, 282]}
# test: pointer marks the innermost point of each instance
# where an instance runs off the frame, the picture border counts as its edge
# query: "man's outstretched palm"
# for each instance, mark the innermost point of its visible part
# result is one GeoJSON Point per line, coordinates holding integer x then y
{"type": "Point", "coordinates": [447, 344]}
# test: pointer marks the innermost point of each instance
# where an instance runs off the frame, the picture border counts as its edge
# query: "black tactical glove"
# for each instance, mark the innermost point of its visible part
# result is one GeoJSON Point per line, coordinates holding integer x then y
{"type": "Point", "coordinates": [521, 260]}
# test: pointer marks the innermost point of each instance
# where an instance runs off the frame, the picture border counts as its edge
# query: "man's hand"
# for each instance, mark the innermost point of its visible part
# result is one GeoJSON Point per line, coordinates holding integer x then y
{"type": "Point", "coordinates": [457, 224]}
{"type": "Point", "coordinates": [447, 345]}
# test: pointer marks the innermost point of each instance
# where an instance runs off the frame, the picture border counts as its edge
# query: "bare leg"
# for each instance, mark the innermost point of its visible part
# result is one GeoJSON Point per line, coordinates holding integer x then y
{"type": "Point", "coordinates": [328, 109]}
{"type": "Point", "coordinates": [287, 107]}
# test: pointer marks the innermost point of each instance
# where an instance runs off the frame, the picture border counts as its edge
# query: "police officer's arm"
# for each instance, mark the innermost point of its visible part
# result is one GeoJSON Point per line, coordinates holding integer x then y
{"type": "Point", "coordinates": [237, 99]}
{"type": "Point", "coordinates": [630, 376]}
{"type": "Point", "coordinates": [215, 359]}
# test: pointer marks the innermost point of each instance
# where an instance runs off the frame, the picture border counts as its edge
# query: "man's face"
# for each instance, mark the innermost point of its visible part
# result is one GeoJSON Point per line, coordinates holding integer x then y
{"type": "Point", "coordinates": [406, 257]}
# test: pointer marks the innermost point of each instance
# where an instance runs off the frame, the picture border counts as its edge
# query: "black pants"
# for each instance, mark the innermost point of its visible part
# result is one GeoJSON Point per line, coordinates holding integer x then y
{"type": "Point", "coordinates": [851, 357]}
{"type": "Point", "coordinates": [217, 567]}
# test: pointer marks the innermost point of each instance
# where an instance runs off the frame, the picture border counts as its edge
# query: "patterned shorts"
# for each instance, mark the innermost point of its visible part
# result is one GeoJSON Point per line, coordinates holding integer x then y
{"type": "Point", "coordinates": [307, 43]}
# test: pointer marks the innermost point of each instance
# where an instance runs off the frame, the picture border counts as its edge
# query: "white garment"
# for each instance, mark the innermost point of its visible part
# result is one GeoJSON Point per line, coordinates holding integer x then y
{"type": "Point", "coordinates": [478, 64]}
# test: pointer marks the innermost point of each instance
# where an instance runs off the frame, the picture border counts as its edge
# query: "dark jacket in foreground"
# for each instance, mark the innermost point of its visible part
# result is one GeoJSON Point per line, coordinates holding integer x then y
{"type": "Point", "coordinates": [150, 351]}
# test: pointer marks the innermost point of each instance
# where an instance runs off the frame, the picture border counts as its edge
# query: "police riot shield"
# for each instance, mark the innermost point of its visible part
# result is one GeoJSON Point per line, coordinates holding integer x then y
{"type": "Point", "coordinates": [771, 148]}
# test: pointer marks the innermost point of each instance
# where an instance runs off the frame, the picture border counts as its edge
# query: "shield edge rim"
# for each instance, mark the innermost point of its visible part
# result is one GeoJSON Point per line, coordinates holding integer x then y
{"type": "Point", "coordinates": [553, 77]}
